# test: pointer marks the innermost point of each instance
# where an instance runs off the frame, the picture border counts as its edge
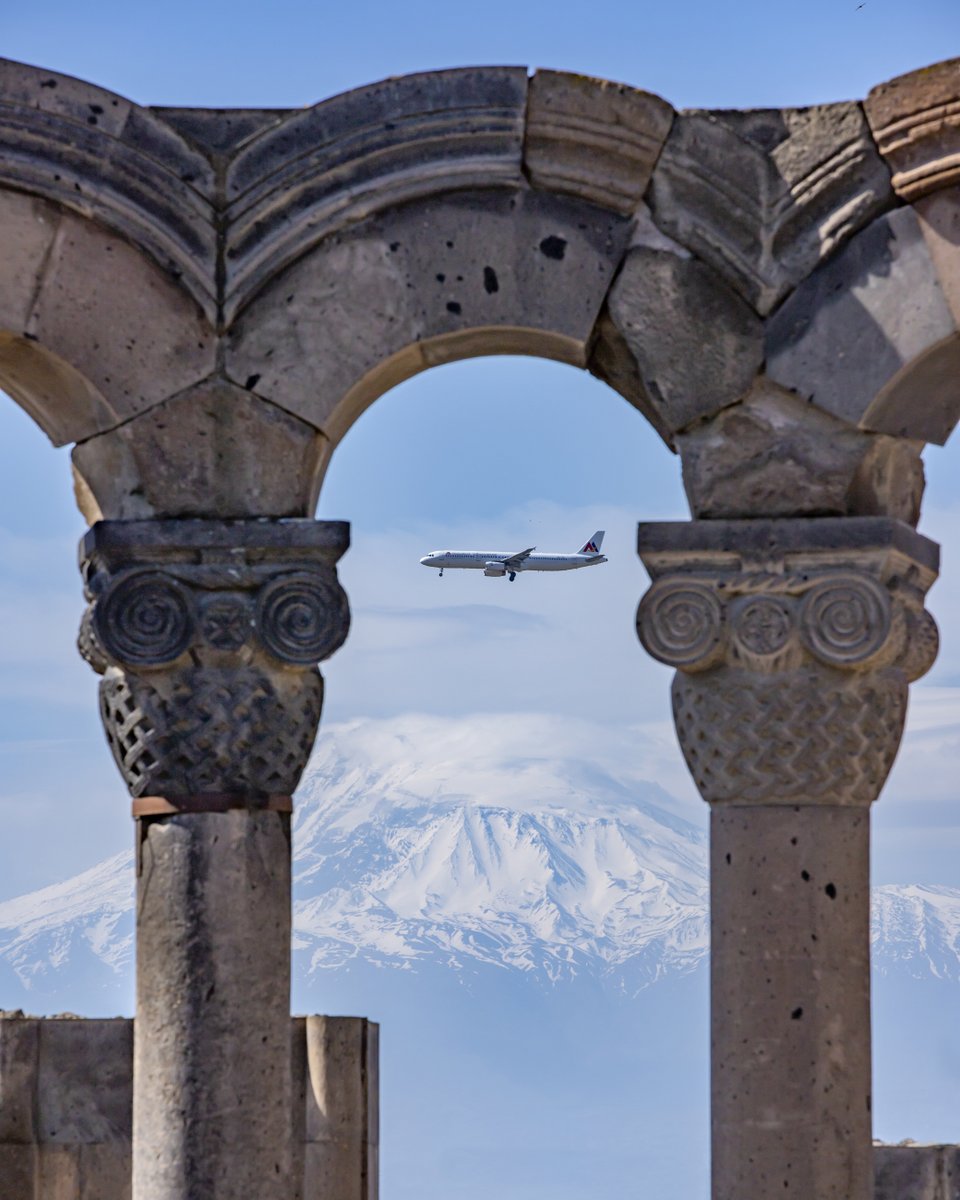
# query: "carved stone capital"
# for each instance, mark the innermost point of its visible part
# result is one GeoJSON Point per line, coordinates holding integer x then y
{"type": "Point", "coordinates": [207, 635]}
{"type": "Point", "coordinates": [794, 643]}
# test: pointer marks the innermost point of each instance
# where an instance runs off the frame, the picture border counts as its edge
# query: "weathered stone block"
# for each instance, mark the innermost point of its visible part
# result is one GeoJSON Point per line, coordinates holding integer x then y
{"type": "Point", "coordinates": [355, 155]}
{"type": "Point", "coordinates": [58, 1173]}
{"type": "Point", "coordinates": [18, 1172]}
{"type": "Point", "coordinates": [84, 1087]}
{"type": "Point", "coordinates": [916, 121]}
{"type": "Point", "coordinates": [65, 1107]}
{"type": "Point", "coordinates": [104, 1172]}
{"type": "Point", "coordinates": [775, 455]}
{"type": "Point", "coordinates": [19, 1055]}
{"type": "Point", "coordinates": [100, 156]}
{"type": "Point", "coordinates": [62, 401]}
{"type": "Point", "coordinates": [216, 450]}
{"type": "Point", "coordinates": [939, 216]}
{"type": "Point", "coordinates": [847, 340]}
{"type": "Point", "coordinates": [692, 345]}
{"type": "Point", "coordinates": [790, 997]}
{"type": "Point", "coordinates": [65, 1098]}
{"type": "Point", "coordinates": [340, 1109]}
{"type": "Point", "coordinates": [483, 273]}
{"type": "Point", "coordinates": [113, 316]}
{"type": "Point", "coordinates": [593, 139]}
{"type": "Point", "coordinates": [29, 226]}
{"type": "Point", "coordinates": [764, 196]}
{"type": "Point", "coordinates": [916, 1172]}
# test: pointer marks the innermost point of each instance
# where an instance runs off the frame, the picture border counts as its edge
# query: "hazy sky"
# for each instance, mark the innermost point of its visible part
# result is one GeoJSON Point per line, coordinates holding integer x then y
{"type": "Point", "coordinates": [553, 454]}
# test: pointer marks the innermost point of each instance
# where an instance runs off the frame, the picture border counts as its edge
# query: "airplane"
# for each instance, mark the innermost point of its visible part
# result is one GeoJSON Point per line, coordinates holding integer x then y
{"type": "Point", "coordinates": [496, 563]}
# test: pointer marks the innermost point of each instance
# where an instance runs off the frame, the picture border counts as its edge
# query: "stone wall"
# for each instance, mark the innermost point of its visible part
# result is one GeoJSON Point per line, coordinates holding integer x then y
{"type": "Point", "coordinates": [66, 1093]}
{"type": "Point", "coordinates": [917, 1172]}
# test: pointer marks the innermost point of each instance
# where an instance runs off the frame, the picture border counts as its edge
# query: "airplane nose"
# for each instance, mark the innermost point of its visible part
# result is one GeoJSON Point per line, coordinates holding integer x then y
{"type": "Point", "coordinates": [425, 561]}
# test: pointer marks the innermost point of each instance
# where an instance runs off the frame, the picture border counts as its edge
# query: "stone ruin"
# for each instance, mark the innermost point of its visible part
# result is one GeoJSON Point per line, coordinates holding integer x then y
{"type": "Point", "coordinates": [202, 302]}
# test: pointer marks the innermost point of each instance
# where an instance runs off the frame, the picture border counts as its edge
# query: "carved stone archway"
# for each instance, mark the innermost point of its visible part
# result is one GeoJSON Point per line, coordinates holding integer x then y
{"type": "Point", "coordinates": [204, 301]}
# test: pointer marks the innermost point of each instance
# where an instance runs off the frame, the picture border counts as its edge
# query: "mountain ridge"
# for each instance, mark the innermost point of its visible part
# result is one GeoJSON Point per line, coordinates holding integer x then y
{"type": "Point", "coordinates": [425, 844]}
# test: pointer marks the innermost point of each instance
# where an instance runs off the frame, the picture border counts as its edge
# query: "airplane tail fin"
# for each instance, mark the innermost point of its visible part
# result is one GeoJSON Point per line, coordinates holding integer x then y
{"type": "Point", "coordinates": [593, 546]}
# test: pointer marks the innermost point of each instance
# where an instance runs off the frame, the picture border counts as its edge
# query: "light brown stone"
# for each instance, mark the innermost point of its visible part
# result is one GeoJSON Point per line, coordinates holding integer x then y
{"type": "Point", "coordinates": [338, 1085]}
{"type": "Point", "coordinates": [62, 401]}
{"type": "Point", "coordinates": [790, 998]}
{"type": "Point", "coordinates": [113, 316]}
{"type": "Point", "coordinates": [939, 218]}
{"type": "Point", "coordinates": [29, 226]}
{"type": "Point", "coordinates": [593, 139]}
{"type": "Point", "coordinates": [916, 121]}
{"type": "Point", "coordinates": [104, 158]}
{"type": "Point", "coordinates": [212, 1099]}
{"type": "Point", "coordinates": [216, 450]}
{"type": "Point", "coordinates": [675, 340]}
{"type": "Point", "coordinates": [775, 455]}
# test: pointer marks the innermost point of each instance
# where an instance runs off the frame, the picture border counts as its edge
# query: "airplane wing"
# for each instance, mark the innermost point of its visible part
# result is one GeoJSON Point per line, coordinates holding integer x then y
{"type": "Point", "coordinates": [516, 561]}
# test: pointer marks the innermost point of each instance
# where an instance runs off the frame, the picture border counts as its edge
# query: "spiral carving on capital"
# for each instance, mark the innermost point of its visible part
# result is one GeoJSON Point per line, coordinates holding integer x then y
{"type": "Point", "coordinates": [301, 617]}
{"type": "Point", "coordinates": [208, 635]}
{"type": "Point", "coordinates": [792, 681]}
{"type": "Point", "coordinates": [770, 622]}
{"type": "Point", "coordinates": [144, 619]}
{"type": "Point", "coordinates": [846, 621]}
{"type": "Point", "coordinates": [681, 624]}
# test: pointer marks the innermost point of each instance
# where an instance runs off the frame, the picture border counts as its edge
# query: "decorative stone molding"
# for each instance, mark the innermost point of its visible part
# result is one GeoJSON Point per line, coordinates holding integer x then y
{"type": "Point", "coordinates": [207, 635]}
{"type": "Point", "coordinates": [794, 643]}
{"type": "Point", "coordinates": [916, 122]}
{"type": "Point", "coordinates": [593, 139]}
{"type": "Point", "coordinates": [102, 156]}
{"type": "Point", "coordinates": [375, 147]}
{"type": "Point", "coordinates": [764, 196]}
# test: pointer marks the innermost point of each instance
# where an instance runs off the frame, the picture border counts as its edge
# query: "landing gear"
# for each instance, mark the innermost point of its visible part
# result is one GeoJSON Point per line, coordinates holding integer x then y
{"type": "Point", "coordinates": [512, 575]}
{"type": "Point", "coordinates": [441, 573]}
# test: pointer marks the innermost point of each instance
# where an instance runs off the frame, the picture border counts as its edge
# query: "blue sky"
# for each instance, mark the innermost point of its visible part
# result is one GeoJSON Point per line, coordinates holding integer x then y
{"type": "Point", "coordinates": [744, 53]}
{"type": "Point", "coordinates": [554, 455]}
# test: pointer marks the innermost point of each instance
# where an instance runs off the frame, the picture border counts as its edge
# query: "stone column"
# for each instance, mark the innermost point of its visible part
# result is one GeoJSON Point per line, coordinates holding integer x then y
{"type": "Point", "coordinates": [794, 642]}
{"type": "Point", "coordinates": [207, 635]}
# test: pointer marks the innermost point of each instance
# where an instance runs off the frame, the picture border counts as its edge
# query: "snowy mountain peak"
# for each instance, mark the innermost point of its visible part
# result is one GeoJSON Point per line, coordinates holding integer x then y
{"type": "Point", "coordinates": [424, 843]}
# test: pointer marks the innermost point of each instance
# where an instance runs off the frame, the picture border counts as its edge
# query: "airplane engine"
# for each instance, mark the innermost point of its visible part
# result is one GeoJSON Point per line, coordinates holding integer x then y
{"type": "Point", "coordinates": [494, 568]}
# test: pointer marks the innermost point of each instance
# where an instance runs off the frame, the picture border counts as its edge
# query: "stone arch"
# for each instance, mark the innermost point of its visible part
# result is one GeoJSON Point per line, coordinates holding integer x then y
{"type": "Point", "coordinates": [292, 265]}
{"type": "Point", "coordinates": [719, 270]}
{"type": "Point", "coordinates": [105, 299]}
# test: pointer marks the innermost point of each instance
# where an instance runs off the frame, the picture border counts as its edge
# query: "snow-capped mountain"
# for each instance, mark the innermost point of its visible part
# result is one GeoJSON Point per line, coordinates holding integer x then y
{"type": "Point", "coordinates": [418, 841]}
{"type": "Point", "coordinates": [473, 845]}
{"type": "Point", "coordinates": [505, 844]}
{"type": "Point", "coordinates": [916, 931]}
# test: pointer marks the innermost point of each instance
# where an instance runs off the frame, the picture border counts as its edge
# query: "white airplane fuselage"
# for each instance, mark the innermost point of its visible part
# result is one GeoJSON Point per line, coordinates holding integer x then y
{"type": "Point", "coordinates": [476, 560]}
{"type": "Point", "coordinates": [498, 563]}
